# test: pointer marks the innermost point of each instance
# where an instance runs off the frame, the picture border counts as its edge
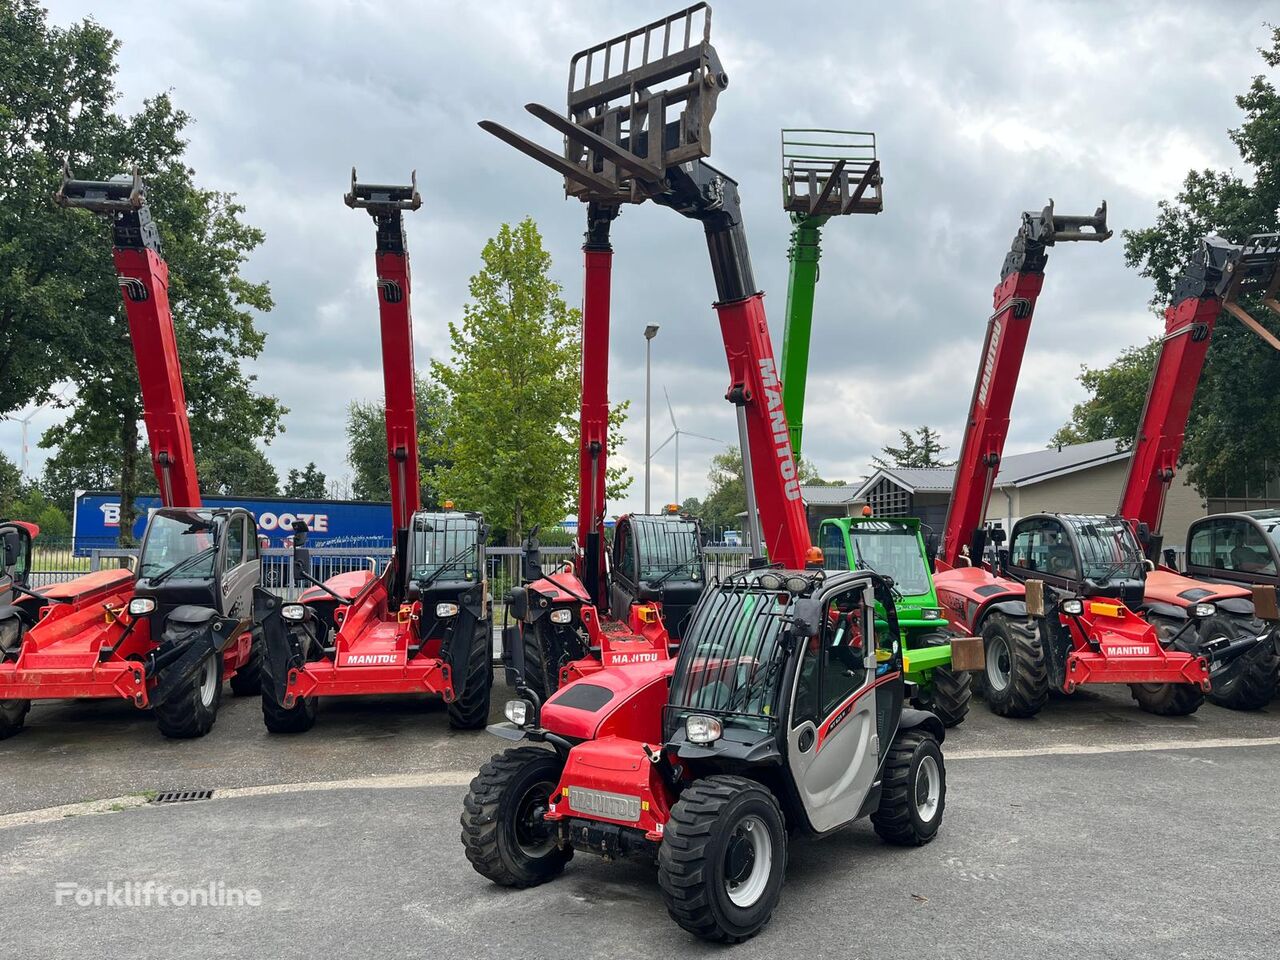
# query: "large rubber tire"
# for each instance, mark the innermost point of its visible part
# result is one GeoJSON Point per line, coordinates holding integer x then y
{"type": "Point", "coordinates": [541, 675]}
{"type": "Point", "coordinates": [299, 718]}
{"type": "Point", "coordinates": [947, 696]}
{"type": "Point", "coordinates": [720, 879]}
{"type": "Point", "coordinates": [1016, 682]}
{"type": "Point", "coordinates": [1167, 699]}
{"type": "Point", "coordinates": [913, 791]}
{"type": "Point", "coordinates": [502, 831]}
{"type": "Point", "coordinates": [191, 712]}
{"type": "Point", "coordinates": [247, 681]}
{"type": "Point", "coordinates": [471, 710]}
{"type": "Point", "coordinates": [13, 714]}
{"type": "Point", "coordinates": [1249, 682]}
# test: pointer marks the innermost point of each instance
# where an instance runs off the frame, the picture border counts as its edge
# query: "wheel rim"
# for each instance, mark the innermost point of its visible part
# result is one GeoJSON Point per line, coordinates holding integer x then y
{"type": "Point", "coordinates": [998, 663]}
{"type": "Point", "coordinates": [208, 682]}
{"type": "Point", "coordinates": [748, 861]}
{"type": "Point", "coordinates": [532, 835]}
{"type": "Point", "coordinates": [928, 791]}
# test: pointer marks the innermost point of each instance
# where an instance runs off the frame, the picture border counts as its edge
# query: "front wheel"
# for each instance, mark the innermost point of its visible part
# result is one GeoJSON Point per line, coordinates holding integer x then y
{"type": "Point", "coordinates": [1249, 681]}
{"type": "Point", "coordinates": [470, 711]}
{"type": "Point", "coordinates": [247, 681]}
{"type": "Point", "coordinates": [504, 832]}
{"type": "Point", "coordinates": [191, 711]}
{"type": "Point", "coordinates": [722, 859]}
{"type": "Point", "coordinates": [1016, 681]}
{"type": "Point", "coordinates": [913, 793]}
{"type": "Point", "coordinates": [13, 714]}
{"type": "Point", "coordinates": [1167, 699]}
{"type": "Point", "coordinates": [947, 695]}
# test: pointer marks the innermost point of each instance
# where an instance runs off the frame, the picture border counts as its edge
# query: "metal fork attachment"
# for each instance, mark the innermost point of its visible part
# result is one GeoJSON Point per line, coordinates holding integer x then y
{"type": "Point", "coordinates": [829, 173]}
{"type": "Point", "coordinates": [1253, 269]}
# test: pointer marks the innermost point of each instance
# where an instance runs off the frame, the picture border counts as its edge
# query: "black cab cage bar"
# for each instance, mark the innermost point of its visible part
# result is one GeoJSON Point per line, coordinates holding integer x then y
{"type": "Point", "coordinates": [830, 172]}
{"type": "Point", "coordinates": [624, 130]}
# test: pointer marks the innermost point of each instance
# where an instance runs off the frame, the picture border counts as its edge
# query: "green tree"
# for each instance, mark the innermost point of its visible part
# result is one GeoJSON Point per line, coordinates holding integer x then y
{"type": "Point", "coordinates": [33, 506]}
{"type": "Point", "coordinates": [62, 317]}
{"type": "Point", "coordinates": [367, 444]}
{"type": "Point", "coordinates": [1234, 429]}
{"type": "Point", "coordinates": [231, 470]}
{"type": "Point", "coordinates": [10, 483]}
{"type": "Point", "coordinates": [508, 445]}
{"type": "Point", "coordinates": [309, 483]}
{"type": "Point", "coordinates": [727, 491]}
{"type": "Point", "coordinates": [1117, 393]}
{"type": "Point", "coordinates": [921, 448]}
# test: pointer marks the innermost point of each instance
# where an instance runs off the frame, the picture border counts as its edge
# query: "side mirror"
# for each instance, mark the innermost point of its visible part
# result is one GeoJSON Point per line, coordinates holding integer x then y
{"type": "Point", "coordinates": [531, 558]}
{"type": "Point", "coordinates": [996, 535]}
{"type": "Point", "coordinates": [806, 617]}
{"type": "Point", "coordinates": [301, 560]}
{"type": "Point", "coordinates": [12, 548]}
{"type": "Point", "coordinates": [1171, 558]}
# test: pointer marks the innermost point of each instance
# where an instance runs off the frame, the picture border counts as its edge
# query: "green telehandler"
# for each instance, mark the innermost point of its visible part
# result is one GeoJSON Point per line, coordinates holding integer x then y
{"type": "Point", "coordinates": [828, 173]}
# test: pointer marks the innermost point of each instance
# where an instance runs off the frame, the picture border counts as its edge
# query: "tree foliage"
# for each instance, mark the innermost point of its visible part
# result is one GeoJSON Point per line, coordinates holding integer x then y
{"type": "Point", "coordinates": [367, 444]}
{"type": "Point", "coordinates": [512, 389]}
{"type": "Point", "coordinates": [922, 447]}
{"type": "Point", "coordinates": [1234, 429]}
{"type": "Point", "coordinates": [309, 483]}
{"type": "Point", "coordinates": [1117, 393]}
{"type": "Point", "coordinates": [62, 317]}
{"type": "Point", "coordinates": [727, 492]}
{"type": "Point", "coordinates": [228, 470]}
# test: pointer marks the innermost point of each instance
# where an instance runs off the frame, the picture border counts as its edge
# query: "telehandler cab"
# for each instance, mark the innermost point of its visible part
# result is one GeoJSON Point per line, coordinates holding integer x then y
{"type": "Point", "coordinates": [424, 625]}
{"type": "Point", "coordinates": [784, 709]}
{"type": "Point", "coordinates": [165, 636]}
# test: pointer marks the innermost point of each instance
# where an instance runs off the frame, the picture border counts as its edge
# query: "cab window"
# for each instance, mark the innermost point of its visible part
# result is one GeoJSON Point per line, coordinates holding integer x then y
{"type": "Point", "coordinates": [253, 547]}
{"type": "Point", "coordinates": [835, 556]}
{"type": "Point", "coordinates": [626, 556]}
{"type": "Point", "coordinates": [1246, 548]}
{"type": "Point", "coordinates": [834, 663]}
{"type": "Point", "coordinates": [233, 554]}
{"type": "Point", "coordinates": [1041, 546]}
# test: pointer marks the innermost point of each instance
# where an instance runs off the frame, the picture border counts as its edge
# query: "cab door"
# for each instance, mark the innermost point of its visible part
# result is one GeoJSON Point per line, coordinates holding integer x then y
{"type": "Point", "coordinates": [624, 573]}
{"type": "Point", "coordinates": [240, 566]}
{"type": "Point", "coordinates": [833, 744]}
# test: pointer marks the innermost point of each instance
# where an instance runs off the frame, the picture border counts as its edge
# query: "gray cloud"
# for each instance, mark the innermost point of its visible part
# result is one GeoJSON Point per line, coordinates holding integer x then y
{"type": "Point", "coordinates": [981, 110]}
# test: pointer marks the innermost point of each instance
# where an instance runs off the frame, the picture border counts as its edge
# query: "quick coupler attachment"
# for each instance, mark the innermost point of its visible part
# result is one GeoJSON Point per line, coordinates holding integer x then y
{"type": "Point", "coordinates": [191, 635]}
{"type": "Point", "coordinates": [383, 198]}
{"type": "Point", "coordinates": [1062, 228]}
{"type": "Point", "coordinates": [118, 194]}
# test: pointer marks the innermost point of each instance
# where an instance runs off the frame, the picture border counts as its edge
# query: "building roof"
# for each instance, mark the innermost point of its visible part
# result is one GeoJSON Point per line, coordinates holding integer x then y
{"type": "Point", "coordinates": [829, 495]}
{"type": "Point", "coordinates": [1016, 470]}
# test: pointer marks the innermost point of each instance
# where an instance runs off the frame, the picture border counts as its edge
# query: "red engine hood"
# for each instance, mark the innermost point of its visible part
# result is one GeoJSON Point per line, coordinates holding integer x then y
{"type": "Point", "coordinates": [623, 702]}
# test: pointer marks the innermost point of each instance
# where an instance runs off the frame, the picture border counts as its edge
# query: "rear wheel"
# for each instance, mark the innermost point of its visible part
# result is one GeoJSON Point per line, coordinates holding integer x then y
{"type": "Point", "coordinates": [913, 793]}
{"type": "Point", "coordinates": [1249, 681]}
{"type": "Point", "coordinates": [503, 831]}
{"type": "Point", "coordinates": [470, 711]}
{"type": "Point", "coordinates": [722, 859]}
{"type": "Point", "coordinates": [947, 696]}
{"type": "Point", "coordinates": [541, 665]}
{"type": "Point", "coordinates": [247, 681]}
{"type": "Point", "coordinates": [1167, 699]}
{"type": "Point", "coordinates": [13, 714]}
{"type": "Point", "coordinates": [1016, 682]}
{"type": "Point", "coordinates": [191, 712]}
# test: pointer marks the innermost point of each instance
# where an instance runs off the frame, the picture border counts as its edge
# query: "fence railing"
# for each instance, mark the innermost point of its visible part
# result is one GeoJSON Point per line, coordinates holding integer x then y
{"type": "Point", "coordinates": [57, 563]}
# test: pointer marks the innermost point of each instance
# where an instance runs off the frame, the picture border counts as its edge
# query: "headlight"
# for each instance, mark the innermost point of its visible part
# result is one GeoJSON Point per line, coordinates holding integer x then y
{"type": "Point", "coordinates": [930, 613]}
{"type": "Point", "coordinates": [293, 611]}
{"type": "Point", "coordinates": [700, 729]}
{"type": "Point", "coordinates": [141, 606]}
{"type": "Point", "coordinates": [517, 711]}
{"type": "Point", "coordinates": [1202, 610]}
{"type": "Point", "coordinates": [563, 615]}
{"type": "Point", "coordinates": [446, 609]}
{"type": "Point", "coordinates": [1073, 608]}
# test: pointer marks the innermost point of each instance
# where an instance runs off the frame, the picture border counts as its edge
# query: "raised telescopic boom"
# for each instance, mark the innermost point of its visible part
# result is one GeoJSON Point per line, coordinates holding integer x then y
{"type": "Point", "coordinates": [628, 140]}
{"type": "Point", "coordinates": [825, 174]}
{"type": "Point", "coordinates": [1002, 352]}
{"type": "Point", "coordinates": [1220, 274]}
{"type": "Point", "coordinates": [386, 204]}
{"type": "Point", "coordinates": [143, 276]}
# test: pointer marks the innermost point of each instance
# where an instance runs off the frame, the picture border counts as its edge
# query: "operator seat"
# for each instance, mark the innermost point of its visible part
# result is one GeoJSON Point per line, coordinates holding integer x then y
{"type": "Point", "coordinates": [1062, 561]}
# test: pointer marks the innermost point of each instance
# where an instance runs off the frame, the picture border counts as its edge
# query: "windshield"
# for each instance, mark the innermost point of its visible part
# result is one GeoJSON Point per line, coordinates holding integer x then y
{"type": "Point", "coordinates": [731, 659]}
{"type": "Point", "coordinates": [669, 549]}
{"type": "Point", "coordinates": [444, 547]}
{"type": "Point", "coordinates": [892, 550]}
{"type": "Point", "coordinates": [1107, 549]}
{"type": "Point", "coordinates": [189, 539]}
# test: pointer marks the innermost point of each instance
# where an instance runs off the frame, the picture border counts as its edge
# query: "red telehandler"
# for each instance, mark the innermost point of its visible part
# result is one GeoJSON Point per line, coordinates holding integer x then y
{"type": "Point", "coordinates": [165, 636]}
{"type": "Point", "coordinates": [783, 711]}
{"type": "Point", "coordinates": [1062, 606]}
{"type": "Point", "coordinates": [1187, 611]}
{"type": "Point", "coordinates": [424, 624]}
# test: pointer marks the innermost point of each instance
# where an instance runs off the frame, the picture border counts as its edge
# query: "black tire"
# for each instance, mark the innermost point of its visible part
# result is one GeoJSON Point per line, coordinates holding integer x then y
{"type": "Point", "coordinates": [1016, 681]}
{"type": "Point", "coordinates": [541, 670]}
{"type": "Point", "coordinates": [502, 831]}
{"type": "Point", "coordinates": [711, 836]}
{"type": "Point", "coordinates": [247, 681]}
{"type": "Point", "coordinates": [947, 696]}
{"type": "Point", "coordinates": [1167, 699]}
{"type": "Point", "coordinates": [299, 718]}
{"type": "Point", "coordinates": [1248, 682]}
{"type": "Point", "coordinates": [13, 714]}
{"type": "Point", "coordinates": [191, 712]}
{"type": "Point", "coordinates": [471, 710]}
{"type": "Point", "coordinates": [913, 791]}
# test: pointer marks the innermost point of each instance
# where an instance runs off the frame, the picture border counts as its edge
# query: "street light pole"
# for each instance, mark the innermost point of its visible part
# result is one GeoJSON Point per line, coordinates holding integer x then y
{"type": "Point", "coordinates": [650, 332]}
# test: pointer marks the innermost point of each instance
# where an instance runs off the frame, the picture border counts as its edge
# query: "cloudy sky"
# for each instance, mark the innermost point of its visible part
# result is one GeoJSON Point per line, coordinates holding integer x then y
{"type": "Point", "coordinates": [981, 110]}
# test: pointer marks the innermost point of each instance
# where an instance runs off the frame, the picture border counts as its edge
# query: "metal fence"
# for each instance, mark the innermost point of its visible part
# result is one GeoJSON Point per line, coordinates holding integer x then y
{"type": "Point", "coordinates": [57, 562]}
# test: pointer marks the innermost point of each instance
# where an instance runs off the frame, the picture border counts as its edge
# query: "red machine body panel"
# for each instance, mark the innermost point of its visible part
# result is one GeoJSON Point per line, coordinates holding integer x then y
{"type": "Point", "coordinates": [397, 378]}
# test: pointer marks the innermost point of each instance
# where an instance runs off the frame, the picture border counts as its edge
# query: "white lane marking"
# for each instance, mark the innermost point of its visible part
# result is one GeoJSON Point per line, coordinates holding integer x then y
{"type": "Point", "coordinates": [461, 778]}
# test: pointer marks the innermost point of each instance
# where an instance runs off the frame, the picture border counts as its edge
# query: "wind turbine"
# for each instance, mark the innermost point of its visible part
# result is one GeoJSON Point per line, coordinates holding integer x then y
{"type": "Point", "coordinates": [675, 435]}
